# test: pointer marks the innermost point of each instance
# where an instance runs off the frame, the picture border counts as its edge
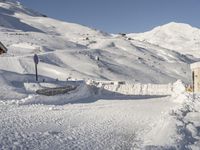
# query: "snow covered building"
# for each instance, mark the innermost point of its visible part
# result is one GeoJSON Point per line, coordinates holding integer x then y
{"type": "Point", "coordinates": [195, 67]}
{"type": "Point", "coordinates": [3, 49]}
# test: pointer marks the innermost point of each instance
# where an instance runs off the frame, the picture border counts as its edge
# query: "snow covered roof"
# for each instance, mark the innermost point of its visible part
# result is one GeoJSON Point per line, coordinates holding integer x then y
{"type": "Point", "coordinates": [195, 65]}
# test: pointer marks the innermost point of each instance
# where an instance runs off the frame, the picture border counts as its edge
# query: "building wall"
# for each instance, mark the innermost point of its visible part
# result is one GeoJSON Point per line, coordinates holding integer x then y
{"type": "Point", "coordinates": [1, 51]}
{"type": "Point", "coordinates": [196, 74]}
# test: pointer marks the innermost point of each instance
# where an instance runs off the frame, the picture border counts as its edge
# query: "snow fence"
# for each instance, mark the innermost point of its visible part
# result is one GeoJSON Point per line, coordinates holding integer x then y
{"type": "Point", "coordinates": [105, 87]}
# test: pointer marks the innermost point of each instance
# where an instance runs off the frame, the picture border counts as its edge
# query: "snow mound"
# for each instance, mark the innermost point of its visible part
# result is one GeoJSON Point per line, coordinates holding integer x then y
{"type": "Point", "coordinates": [81, 92]}
{"type": "Point", "coordinates": [187, 115]}
{"type": "Point", "coordinates": [179, 87]}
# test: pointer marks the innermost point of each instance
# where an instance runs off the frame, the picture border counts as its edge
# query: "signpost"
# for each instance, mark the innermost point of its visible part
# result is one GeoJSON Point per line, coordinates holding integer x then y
{"type": "Point", "coordinates": [36, 61]}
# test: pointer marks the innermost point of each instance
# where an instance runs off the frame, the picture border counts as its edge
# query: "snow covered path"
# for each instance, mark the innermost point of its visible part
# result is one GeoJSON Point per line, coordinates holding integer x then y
{"type": "Point", "coordinates": [103, 124]}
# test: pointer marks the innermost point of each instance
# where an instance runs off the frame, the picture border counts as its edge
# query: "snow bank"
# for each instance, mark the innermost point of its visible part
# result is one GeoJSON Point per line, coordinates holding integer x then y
{"type": "Point", "coordinates": [187, 115]}
{"type": "Point", "coordinates": [81, 92]}
{"type": "Point", "coordinates": [138, 88]}
{"type": "Point", "coordinates": [178, 87]}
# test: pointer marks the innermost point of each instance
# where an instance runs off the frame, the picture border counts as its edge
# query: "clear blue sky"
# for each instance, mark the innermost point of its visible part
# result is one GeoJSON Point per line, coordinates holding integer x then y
{"type": "Point", "coordinates": [115, 16]}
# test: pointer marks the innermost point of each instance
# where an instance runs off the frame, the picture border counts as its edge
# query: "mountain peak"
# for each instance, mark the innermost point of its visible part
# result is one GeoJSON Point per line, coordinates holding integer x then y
{"type": "Point", "coordinates": [180, 37]}
{"type": "Point", "coordinates": [12, 7]}
{"type": "Point", "coordinates": [10, 1]}
{"type": "Point", "coordinates": [176, 26]}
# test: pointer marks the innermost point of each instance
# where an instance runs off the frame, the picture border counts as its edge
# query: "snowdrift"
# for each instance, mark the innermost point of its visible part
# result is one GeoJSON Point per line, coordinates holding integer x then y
{"type": "Point", "coordinates": [81, 91]}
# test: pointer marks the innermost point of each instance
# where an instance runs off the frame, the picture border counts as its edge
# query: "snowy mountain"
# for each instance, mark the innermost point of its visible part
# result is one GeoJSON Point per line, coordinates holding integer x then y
{"type": "Point", "coordinates": [67, 49]}
{"type": "Point", "coordinates": [180, 37]}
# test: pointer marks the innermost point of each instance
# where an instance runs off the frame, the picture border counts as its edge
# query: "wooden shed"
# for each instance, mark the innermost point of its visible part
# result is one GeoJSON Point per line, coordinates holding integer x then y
{"type": "Point", "coordinates": [3, 49]}
{"type": "Point", "coordinates": [195, 67]}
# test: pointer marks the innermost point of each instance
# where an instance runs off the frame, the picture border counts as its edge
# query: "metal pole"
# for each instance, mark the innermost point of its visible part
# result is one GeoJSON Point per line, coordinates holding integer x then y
{"type": "Point", "coordinates": [36, 72]}
{"type": "Point", "coordinates": [193, 85]}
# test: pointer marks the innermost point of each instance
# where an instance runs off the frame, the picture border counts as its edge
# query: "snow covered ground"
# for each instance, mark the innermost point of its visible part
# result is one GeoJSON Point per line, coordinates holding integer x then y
{"type": "Point", "coordinates": [96, 117]}
{"type": "Point", "coordinates": [137, 115]}
{"type": "Point", "coordinates": [108, 123]}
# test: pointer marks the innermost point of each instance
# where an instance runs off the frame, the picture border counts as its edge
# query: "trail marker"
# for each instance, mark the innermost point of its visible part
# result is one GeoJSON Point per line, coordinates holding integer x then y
{"type": "Point", "coordinates": [36, 61]}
